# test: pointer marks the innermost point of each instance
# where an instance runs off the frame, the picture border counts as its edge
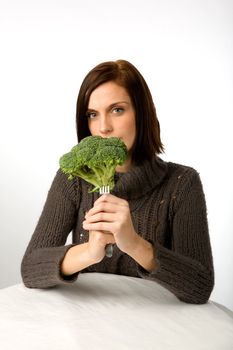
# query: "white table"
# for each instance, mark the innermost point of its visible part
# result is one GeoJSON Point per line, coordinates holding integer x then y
{"type": "Point", "coordinates": [104, 311]}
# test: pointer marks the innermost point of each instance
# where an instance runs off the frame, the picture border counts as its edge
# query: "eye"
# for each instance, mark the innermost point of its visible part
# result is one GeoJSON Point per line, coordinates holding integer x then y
{"type": "Point", "coordinates": [91, 115]}
{"type": "Point", "coordinates": [118, 110]}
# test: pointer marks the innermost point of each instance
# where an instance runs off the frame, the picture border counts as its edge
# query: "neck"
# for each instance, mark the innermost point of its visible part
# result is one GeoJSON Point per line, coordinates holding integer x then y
{"type": "Point", "coordinates": [125, 167]}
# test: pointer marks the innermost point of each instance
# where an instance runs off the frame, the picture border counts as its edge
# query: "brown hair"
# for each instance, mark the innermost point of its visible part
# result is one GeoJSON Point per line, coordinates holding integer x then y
{"type": "Point", "coordinates": [147, 142]}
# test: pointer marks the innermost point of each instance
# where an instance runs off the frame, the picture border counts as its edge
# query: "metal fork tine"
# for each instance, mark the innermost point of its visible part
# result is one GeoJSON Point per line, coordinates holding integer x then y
{"type": "Point", "coordinates": [104, 190]}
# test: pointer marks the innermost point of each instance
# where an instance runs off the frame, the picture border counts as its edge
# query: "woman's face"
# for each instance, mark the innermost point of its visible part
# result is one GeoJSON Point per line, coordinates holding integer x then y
{"type": "Point", "coordinates": [110, 113]}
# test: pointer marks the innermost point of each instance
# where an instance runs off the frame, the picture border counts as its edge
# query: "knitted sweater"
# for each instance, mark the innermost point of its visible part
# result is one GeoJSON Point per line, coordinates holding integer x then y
{"type": "Point", "coordinates": [168, 209]}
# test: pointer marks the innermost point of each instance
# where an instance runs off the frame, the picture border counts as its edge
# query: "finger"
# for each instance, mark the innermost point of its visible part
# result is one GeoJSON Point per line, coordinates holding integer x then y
{"type": "Point", "coordinates": [105, 235]}
{"type": "Point", "coordinates": [103, 207]}
{"type": "Point", "coordinates": [109, 198]}
{"type": "Point", "coordinates": [97, 226]}
{"type": "Point", "coordinates": [101, 216]}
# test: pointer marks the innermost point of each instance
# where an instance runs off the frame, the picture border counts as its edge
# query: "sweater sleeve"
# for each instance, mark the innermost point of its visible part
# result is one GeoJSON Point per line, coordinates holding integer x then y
{"type": "Point", "coordinates": [187, 268]}
{"type": "Point", "coordinates": [40, 267]}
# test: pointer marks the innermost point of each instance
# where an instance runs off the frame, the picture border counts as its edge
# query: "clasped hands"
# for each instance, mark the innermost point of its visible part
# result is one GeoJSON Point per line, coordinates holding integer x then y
{"type": "Point", "coordinates": [109, 221]}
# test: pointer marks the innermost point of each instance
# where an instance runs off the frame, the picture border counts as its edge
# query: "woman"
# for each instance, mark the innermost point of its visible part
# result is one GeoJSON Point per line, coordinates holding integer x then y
{"type": "Point", "coordinates": [155, 216]}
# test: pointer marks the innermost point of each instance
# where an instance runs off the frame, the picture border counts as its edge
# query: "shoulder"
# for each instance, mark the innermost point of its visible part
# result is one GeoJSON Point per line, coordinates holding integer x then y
{"type": "Point", "coordinates": [183, 168]}
{"type": "Point", "coordinates": [185, 173]}
{"type": "Point", "coordinates": [184, 182]}
{"type": "Point", "coordinates": [179, 177]}
{"type": "Point", "coordinates": [170, 168]}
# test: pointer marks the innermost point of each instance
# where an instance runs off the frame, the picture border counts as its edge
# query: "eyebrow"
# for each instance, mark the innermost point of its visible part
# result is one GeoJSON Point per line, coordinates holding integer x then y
{"type": "Point", "coordinates": [111, 105]}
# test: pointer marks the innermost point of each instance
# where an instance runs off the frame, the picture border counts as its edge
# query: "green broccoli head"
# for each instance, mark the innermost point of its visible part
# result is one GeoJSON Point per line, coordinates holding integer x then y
{"type": "Point", "coordinates": [95, 159]}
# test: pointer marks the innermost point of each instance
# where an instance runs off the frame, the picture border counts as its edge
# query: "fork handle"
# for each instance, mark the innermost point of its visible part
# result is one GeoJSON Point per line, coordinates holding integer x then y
{"type": "Point", "coordinates": [109, 247]}
{"type": "Point", "coordinates": [109, 250]}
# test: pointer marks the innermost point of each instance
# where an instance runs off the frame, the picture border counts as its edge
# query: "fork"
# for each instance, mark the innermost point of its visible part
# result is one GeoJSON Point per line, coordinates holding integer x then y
{"type": "Point", "coordinates": [109, 247]}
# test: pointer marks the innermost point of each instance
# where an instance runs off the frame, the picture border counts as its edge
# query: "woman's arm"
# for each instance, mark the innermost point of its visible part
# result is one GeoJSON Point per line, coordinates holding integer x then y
{"type": "Point", "coordinates": [143, 253]}
{"type": "Point", "coordinates": [186, 268]}
{"type": "Point", "coordinates": [83, 255]}
{"type": "Point", "coordinates": [76, 259]}
{"type": "Point", "coordinates": [42, 260]}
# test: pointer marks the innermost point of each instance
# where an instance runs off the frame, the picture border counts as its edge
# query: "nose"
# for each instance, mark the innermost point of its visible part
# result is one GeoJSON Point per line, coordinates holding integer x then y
{"type": "Point", "coordinates": [105, 125]}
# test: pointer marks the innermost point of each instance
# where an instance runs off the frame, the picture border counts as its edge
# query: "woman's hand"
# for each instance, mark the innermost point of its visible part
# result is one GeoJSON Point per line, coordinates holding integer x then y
{"type": "Point", "coordinates": [97, 243]}
{"type": "Point", "coordinates": [109, 221]}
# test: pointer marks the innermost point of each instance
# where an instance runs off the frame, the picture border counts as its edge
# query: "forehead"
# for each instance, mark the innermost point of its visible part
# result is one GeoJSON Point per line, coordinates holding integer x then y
{"type": "Point", "coordinates": [108, 93]}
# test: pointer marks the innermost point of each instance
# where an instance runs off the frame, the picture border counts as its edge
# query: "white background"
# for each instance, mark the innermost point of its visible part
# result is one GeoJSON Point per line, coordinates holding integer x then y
{"type": "Point", "coordinates": [184, 50]}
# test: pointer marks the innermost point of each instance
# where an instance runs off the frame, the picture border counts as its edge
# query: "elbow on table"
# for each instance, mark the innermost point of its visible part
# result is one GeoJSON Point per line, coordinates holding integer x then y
{"type": "Point", "coordinates": [200, 295]}
{"type": "Point", "coordinates": [28, 274]}
{"type": "Point", "coordinates": [25, 274]}
{"type": "Point", "coordinates": [195, 299]}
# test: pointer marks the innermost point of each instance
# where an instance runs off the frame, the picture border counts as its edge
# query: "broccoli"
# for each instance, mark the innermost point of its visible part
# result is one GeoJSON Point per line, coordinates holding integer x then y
{"type": "Point", "coordinates": [95, 159]}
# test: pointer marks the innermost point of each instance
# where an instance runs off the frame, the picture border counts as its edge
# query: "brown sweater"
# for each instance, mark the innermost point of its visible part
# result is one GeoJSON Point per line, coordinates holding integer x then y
{"type": "Point", "coordinates": [168, 209]}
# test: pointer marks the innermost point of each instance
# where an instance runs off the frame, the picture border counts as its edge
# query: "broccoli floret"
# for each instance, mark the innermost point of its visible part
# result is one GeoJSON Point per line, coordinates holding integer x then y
{"type": "Point", "coordinates": [95, 159]}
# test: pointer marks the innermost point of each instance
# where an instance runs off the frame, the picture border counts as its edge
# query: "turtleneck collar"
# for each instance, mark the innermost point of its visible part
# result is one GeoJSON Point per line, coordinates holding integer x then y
{"type": "Point", "coordinates": [140, 179]}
